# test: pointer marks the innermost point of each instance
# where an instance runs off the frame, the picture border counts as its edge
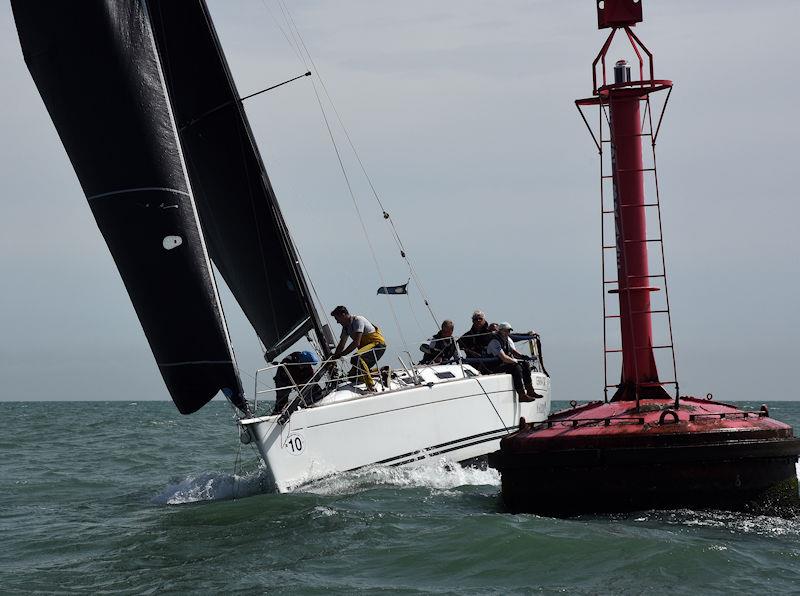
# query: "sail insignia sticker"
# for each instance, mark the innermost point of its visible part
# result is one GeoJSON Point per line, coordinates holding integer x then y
{"type": "Point", "coordinates": [171, 242]}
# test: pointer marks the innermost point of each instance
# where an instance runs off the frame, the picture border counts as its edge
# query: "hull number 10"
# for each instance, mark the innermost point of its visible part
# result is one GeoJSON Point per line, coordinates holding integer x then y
{"type": "Point", "coordinates": [294, 444]}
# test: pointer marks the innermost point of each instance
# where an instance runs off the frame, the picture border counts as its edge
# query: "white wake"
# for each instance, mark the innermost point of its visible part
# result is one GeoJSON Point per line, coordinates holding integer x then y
{"type": "Point", "coordinates": [437, 474]}
{"type": "Point", "coordinates": [212, 486]}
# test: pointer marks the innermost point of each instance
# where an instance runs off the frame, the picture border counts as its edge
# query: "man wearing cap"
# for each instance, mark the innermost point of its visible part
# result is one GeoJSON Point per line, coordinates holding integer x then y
{"type": "Point", "coordinates": [512, 362]}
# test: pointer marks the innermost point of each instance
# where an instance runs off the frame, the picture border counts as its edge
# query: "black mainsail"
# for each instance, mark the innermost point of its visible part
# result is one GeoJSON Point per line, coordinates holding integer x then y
{"type": "Point", "coordinates": [247, 235]}
{"type": "Point", "coordinates": [97, 69]}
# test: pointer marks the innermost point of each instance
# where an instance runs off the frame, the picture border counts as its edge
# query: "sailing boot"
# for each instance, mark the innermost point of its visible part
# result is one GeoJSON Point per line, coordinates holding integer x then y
{"type": "Point", "coordinates": [524, 397]}
{"type": "Point", "coordinates": [531, 394]}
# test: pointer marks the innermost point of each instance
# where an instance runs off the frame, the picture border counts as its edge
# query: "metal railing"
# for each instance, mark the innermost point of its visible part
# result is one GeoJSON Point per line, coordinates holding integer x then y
{"type": "Point", "coordinates": [382, 376]}
{"type": "Point", "coordinates": [327, 368]}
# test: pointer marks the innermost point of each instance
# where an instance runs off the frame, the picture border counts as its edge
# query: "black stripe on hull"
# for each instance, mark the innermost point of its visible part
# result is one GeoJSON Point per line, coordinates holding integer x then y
{"type": "Point", "coordinates": [445, 447]}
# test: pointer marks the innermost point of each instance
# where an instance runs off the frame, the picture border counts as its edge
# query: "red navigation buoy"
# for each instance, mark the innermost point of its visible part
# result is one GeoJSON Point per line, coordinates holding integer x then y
{"type": "Point", "coordinates": [642, 448]}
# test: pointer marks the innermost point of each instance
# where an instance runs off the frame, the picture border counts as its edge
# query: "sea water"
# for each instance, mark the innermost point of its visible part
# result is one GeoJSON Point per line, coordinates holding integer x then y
{"type": "Point", "coordinates": [135, 498]}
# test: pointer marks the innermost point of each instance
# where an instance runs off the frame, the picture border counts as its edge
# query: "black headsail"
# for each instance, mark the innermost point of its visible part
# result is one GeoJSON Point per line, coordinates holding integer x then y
{"type": "Point", "coordinates": [97, 70]}
{"type": "Point", "coordinates": [247, 236]}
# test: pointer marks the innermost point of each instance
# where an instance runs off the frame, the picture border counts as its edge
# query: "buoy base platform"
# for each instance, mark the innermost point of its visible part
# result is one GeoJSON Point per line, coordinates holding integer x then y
{"type": "Point", "coordinates": [615, 457]}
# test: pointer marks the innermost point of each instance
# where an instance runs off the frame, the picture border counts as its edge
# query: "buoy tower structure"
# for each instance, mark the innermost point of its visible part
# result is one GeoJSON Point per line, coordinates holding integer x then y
{"type": "Point", "coordinates": [642, 447]}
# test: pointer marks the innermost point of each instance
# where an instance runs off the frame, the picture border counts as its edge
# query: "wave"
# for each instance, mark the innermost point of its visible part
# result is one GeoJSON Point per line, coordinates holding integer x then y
{"type": "Point", "coordinates": [213, 486]}
{"type": "Point", "coordinates": [730, 522]}
{"type": "Point", "coordinates": [438, 474]}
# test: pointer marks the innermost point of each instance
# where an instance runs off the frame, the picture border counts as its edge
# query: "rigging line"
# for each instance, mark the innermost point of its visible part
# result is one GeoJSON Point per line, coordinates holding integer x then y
{"type": "Point", "coordinates": [234, 101]}
{"type": "Point", "coordinates": [358, 213]}
{"type": "Point", "coordinates": [278, 24]}
{"type": "Point", "coordinates": [295, 48]}
{"type": "Point", "coordinates": [303, 266]}
{"type": "Point", "coordinates": [395, 233]}
{"type": "Point", "coordinates": [316, 294]}
{"type": "Point", "coordinates": [272, 206]}
{"type": "Point", "coordinates": [305, 74]}
{"type": "Point", "coordinates": [491, 403]}
{"type": "Point", "coordinates": [242, 129]}
{"type": "Point", "coordinates": [414, 314]}
{"type": "Point", "coordinates": [235, 467]}
{"type": "Point", "coordinates": [295, 33]}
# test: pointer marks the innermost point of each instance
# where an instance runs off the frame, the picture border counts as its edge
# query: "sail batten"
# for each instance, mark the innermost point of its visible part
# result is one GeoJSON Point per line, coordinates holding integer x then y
{"type": "Point", "coordinates": [247, 236]}
{"type": "Point", "coordinates": [111, 193]}
{"type": "Point", "coordinates": [99, 75]}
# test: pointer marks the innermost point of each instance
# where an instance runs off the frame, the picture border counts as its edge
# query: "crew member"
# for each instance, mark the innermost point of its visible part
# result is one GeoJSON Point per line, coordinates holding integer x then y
{"type": "Point", "coordinates": [442, 347]}
{"type": "Point", "coordinates": [474, 341]}
{"type": "Point", "coordinates": [296, 372]}
{"type": "Point", "coordinates": [512, 362]}
{"type": "Point", "coordinates": [366, 340]}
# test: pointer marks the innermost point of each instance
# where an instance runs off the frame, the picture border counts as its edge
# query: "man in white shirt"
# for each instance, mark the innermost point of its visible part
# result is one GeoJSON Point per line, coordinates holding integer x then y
{"type": "Point", "coordinates": [512, 362]}
{"type": "Point", "coordinates": [366, 340]}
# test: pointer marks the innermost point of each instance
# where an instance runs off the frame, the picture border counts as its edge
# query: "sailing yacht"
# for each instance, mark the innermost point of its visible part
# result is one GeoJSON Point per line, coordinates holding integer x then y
{"type": "Point", "coordinates": [145, 105]}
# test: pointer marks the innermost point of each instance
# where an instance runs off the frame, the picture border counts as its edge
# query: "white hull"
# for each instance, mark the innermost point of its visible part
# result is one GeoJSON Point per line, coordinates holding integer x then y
{"type": "Point", "coordinates": [461, 418]}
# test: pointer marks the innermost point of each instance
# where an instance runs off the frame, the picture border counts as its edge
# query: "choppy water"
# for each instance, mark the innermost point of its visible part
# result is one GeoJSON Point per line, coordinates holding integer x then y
{"type": "Point", "coordinates": [134, 498]}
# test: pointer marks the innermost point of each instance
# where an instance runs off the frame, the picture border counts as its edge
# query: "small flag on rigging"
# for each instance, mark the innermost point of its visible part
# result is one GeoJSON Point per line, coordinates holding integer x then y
{"type": "Point", "coordinates": [403, 289]}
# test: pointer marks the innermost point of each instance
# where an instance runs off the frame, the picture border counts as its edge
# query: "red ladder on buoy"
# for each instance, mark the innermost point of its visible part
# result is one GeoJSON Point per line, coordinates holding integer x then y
{"type": "Point", "coordinates": [625, 118]}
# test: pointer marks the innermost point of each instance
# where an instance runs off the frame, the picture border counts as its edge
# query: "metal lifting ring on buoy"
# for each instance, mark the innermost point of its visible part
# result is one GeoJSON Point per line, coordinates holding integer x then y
{"type": "Point", "coordinates": [665, 413]}
{"type": "Point", "coordinates": [573, 403]}
{"type": "Point", "coordinates": [709, 396]}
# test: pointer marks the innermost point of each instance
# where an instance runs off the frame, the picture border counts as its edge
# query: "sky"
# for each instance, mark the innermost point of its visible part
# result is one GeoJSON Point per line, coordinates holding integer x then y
{"type": "Point", "coordinates": [463, 114]}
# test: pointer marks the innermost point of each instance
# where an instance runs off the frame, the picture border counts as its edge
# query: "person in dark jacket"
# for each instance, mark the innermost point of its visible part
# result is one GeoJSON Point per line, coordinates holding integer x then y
{"type": "Point", "coordinates": [296, 372]}
{"type": "Point", "coordinates": [474, 341]}
{"type": "Point", "coordinates": [442, 347]}
{"type": "Point", "coordinates": [512, 362]}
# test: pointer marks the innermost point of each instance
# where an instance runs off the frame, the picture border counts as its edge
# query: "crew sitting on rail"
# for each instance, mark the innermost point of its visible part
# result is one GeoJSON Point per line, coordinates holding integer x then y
{"type": "Point", "coordinates": [475, 340]}
{"type": "Point", "coordinates": [366, 339]}
{"type": "Point", "coordinates": [442, 347]}
{"type": "Point", "coordinates": [512, 362]}
{"type": "Point", "coordinates": [295, 373]}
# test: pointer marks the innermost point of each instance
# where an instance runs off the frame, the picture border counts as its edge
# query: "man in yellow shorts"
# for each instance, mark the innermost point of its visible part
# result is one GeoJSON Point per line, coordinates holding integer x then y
{"type": "Point", "coordinates": [366, 339]}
